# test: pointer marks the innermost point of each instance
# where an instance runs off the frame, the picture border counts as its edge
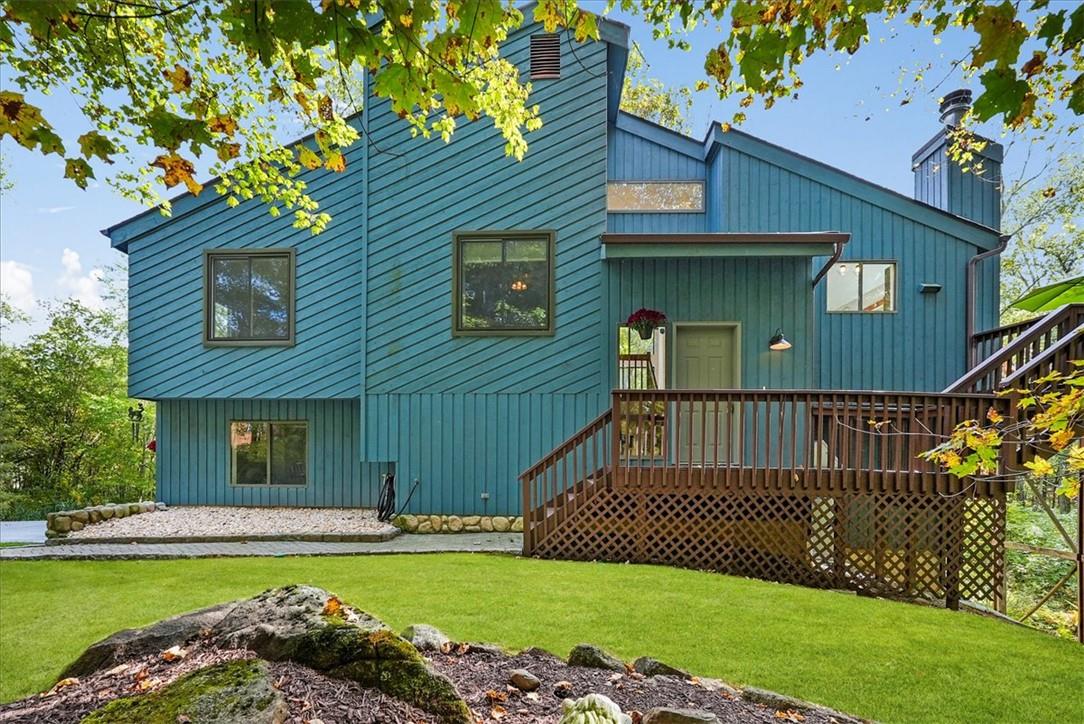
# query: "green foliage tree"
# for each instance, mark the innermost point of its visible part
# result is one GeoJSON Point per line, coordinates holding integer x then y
{"type": "Point", "coordinates": [65, 435]}
{"type": "Point", "coordinates": [648, 97]}
{"type": "Point", "coordinates": [1044, 217]}
{"type": "Point", "coordinates": [227, 79]}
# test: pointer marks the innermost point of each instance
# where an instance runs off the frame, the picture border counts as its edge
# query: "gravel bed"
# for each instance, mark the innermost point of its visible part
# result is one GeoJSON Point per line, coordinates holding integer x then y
{"type": "Point", "coordinates": [197, 521]}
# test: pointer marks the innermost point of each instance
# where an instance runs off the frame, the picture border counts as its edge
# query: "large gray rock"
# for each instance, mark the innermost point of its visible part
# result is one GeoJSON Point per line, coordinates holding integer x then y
{"type": "Point", "coordinates": [305, 625]}
{"type": "Point", "coordinates": [593, 657]}
{"type": "Point", "coordinates": [234, 691]}
{"type": "Point", "coordinates": [425, 637]}
{"type": "Point", "coordinates": [135, 642]}
{"type": "Point", "coordinates": [653, 667]}
{"type": "Point", "coordinates": [782, 702]}
{"type": "Point", "coordinates": [666, 715]}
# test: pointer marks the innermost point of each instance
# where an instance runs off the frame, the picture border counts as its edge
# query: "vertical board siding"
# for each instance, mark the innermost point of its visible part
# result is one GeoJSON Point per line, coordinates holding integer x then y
{"type": "Point", "coordinates": [920, 347]}
{"type": "Point", "coordinates": [459, 446]}
{"type": "Point", "coordinates": [763, 294]}
{"type": "Point", "coordinates": [193, 456]}
{"type": "Point", "coordinates": [634, 158]}
{"type": "Point", "coordinates": [465, 415]}
{"type": "Point", "coordinates": [167, 357]}
{"type": "Point", "coordinates": [973, 194]}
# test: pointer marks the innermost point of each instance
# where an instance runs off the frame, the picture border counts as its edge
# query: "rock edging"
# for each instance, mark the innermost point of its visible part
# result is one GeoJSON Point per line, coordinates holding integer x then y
{"type": "Point", "coordinates": [436, 523]}
{"type": "Point", "coordinates": [59, 524]}
{"type": "Point", "coordinates": [270, 537]}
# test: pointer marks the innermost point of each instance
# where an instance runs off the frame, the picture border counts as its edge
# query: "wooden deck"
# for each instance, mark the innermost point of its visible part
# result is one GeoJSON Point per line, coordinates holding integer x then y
{"type": "Point", "coordinates": [820, 488]}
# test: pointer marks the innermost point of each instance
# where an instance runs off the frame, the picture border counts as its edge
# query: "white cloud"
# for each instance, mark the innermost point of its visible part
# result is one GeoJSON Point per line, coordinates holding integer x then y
{"type": "Point", "coordinates": [17, 285]}
{"type": "Point", "coordinates": [54, 209]}
{"type": "Point", "coordinates": [84, 288]}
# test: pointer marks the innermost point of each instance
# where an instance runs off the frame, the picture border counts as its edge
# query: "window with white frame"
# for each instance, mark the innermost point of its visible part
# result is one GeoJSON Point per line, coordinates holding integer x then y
{"type": "Point", "coordinates": [862, 286]}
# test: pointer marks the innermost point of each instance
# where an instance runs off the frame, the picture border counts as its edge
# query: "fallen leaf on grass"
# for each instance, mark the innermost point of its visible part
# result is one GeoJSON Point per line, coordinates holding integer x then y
{"type": "Point", "coordinates": [174, 653]}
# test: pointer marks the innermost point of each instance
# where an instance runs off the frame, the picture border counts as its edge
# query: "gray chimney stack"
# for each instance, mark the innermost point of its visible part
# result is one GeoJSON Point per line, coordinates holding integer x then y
{"type": "Point", "coordinates": [954, 106]}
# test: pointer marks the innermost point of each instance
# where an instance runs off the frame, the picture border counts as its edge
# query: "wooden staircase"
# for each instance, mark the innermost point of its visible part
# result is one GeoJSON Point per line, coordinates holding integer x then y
{"type": "Point", "coordinates": [1019, 353]}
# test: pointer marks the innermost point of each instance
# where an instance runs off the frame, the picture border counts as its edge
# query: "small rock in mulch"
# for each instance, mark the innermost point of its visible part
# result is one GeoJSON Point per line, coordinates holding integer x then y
{"type": "Point", "coordinates": [425, 637]}
{"type": "Point", "coordinates": [481, 679]}
{"type": "Point", "coordinates": [523, 680]}
{"type": "Point", "coordinates": [665, 715]}
{"type": "Point", "coordinates": [592, 657]}
{"type": "Point", "coordinates": [653, 667]}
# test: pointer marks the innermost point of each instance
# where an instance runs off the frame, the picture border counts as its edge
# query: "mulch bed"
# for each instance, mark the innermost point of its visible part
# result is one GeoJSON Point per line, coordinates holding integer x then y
{"type": "Point", "coordinates": [480, 674]}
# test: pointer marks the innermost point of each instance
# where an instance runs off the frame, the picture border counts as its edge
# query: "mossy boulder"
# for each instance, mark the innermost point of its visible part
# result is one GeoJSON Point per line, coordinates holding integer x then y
{"type": "Point", "coordinates": [234, 691]}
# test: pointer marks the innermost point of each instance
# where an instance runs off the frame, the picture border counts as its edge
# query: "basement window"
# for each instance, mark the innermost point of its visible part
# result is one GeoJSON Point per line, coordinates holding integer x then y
{"type": "Point", "coordinates": [545, 56]}
{"type": "Point", "coordinates": [864, 287]}
{"type": "Point", "coordinates": [503, 283]}
{"type": "Point", "coordinates": [269, 453]}
{"type": "Point", "coordinates": [249, 297]}
{"type": "Point", "coordinates": [655, 196]}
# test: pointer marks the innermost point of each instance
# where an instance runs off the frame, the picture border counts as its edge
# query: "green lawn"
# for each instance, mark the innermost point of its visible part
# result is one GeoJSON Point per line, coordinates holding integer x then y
{"type": "Point", "coordinates": [878, 659]}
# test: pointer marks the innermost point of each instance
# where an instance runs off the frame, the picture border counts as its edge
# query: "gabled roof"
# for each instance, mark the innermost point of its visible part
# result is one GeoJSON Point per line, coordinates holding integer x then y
{"type": "Point", "coordinates": [716, 138]}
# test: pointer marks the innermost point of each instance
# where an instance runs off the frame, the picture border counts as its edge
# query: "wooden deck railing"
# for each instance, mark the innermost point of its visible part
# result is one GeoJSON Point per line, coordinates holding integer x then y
{"type": "Point", "coordinates": [779, 440]}
{"type": "Point", "coordinates": [555, 486]}
{"type": "Point", "coordinates": [1025, 346]}
{"type": "Point", "coordinates": [1057, 357]}
{"type": "Point", "coordinates": [986, 342]}
{"type": "Point", "coordinates": [636, 372]}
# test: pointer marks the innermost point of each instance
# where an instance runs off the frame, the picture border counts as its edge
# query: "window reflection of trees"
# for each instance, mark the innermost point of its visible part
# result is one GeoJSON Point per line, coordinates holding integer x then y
{"type": "Point", "coordinates": [505, 284]}
{"type": "Point", "coordinates": [655, 196]}
{"type": "Point", "coordinates": [272, 453]}
{"type": "Point", "coordinates": [251, 297]}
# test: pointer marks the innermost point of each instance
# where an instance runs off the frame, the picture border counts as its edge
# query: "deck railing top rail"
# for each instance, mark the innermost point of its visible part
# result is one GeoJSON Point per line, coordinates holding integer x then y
{"type": "Point", "coordinates": [1017, 353]}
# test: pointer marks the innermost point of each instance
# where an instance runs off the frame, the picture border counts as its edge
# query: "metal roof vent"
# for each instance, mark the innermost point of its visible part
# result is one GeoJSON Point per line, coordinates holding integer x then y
{"type": "Point", "coordinates": [545, 56]}
{"type": "Point", "coordinates": [954, 106]}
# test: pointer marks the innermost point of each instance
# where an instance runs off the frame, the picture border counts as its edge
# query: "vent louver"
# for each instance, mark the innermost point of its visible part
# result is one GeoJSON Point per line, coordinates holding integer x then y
{"type": "Point", "coordinates": [545, 56]}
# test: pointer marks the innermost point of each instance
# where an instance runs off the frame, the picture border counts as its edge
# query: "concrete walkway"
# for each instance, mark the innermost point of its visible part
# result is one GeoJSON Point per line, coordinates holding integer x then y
{"type": "Point", "coordinates": [435, 543]}
{"type": "Point", "coordinates": [22, 531]}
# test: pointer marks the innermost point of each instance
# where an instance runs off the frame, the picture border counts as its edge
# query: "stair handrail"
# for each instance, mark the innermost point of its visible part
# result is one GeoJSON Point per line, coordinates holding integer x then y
{"type": "Point", "coordinates": [569, 464]}
{"type": "Point", "coordinates": [1069, 313]}
{"type": "Point", "coordinates": [1039, 362]}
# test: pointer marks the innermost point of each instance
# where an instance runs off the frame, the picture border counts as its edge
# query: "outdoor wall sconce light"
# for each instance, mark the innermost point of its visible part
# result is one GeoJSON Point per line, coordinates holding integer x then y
{"type": "Point", "coordinates": [778, 342]}
{"type": "Point", "coordinates": [519, 286]}
{"type": "Point", "coordinates": [927, 288]}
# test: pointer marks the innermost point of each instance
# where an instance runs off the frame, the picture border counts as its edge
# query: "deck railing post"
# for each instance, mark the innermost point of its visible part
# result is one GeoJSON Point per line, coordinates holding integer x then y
{"type": "Point", "coordinates": [616, 473]}
{"type": "Point", "coordinates": [528, 528]}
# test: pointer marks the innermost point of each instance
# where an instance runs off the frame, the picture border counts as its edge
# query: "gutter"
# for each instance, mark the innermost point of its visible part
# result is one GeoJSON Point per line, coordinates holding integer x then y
{"type": "Point", "coordinates": [969, 301]}
{"type": "Point", "coordinates": [831, 260]}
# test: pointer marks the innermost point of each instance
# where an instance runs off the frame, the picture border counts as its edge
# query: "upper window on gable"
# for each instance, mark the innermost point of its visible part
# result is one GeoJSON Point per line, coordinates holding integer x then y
{"type": "Point", "coordinates": [655, 196]}
{"type": "Point", "coordinates": [862, 287]}
{"type": "Point", "coordinates": [249, 297]}
{"type": "Point", "coordinates": [503, 283]}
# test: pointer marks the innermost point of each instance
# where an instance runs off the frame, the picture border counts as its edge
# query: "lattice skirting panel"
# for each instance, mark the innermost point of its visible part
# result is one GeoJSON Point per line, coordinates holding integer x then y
{"type": "Point", "coordinates": [893, 545]}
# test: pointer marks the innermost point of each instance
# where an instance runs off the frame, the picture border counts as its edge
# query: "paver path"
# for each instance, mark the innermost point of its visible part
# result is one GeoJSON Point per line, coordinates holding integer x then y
{"type": "Point", "coordinates": [436, 543]}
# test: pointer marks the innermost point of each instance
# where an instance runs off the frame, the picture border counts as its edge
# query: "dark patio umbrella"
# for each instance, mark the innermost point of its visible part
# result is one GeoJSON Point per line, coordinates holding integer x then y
{"type": "Point", "coordinates": [1052, 296]}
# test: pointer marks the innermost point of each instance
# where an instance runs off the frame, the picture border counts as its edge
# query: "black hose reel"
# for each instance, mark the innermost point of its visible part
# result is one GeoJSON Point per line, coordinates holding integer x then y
{"type": "Point", "coordinates": [385, 504]}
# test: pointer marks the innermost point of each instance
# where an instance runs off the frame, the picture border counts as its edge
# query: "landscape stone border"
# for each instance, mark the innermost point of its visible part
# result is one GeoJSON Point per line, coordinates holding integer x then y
{"type": "Point", "coordinates": [436, 523]}
{"type": "Point", "coordinates": [59, 524]}
{"type": "Point", "coordinates": [259, 537]}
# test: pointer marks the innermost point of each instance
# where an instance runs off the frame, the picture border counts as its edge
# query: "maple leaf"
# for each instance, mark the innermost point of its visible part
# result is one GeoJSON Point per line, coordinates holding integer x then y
{"type": "Point", "coordinates": [222, 124]}
{"type": "Point", "coordinates": [93, 143]}
{"type": "Point", "coordinates": [496, 696]}
{"type": "Point", "coordinates": [179, 78]}
{"type": "Point", "coordinates": [226, 151]}
{"type": "Point", "coordinates": [994, 416]}
{"type": "Point", "coordinates": [174, 653]}
{"type": "Point", "coordinates": [178, 170]}
{"type": "Point", "coordinates": [498, 712]}
{"type": "Point", "coordinates": [78, 171]}
{"type": "Point", "coordinates": [325, 108]}
{"type": "Point", "coordinates": [308, 158]}
{"type": "Point", "coordinates": [789, 715]}
{"type": "Point", "coordinates": [335, 162]}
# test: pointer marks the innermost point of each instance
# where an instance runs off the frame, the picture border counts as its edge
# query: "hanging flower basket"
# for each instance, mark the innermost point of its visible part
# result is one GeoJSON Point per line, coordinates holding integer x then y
{"type": "Point", "coordinates": [645, 322]}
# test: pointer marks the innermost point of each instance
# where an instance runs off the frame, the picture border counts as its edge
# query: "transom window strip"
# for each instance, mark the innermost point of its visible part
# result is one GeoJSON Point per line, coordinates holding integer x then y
{"type": "Point", "coordinates": [655, 196]}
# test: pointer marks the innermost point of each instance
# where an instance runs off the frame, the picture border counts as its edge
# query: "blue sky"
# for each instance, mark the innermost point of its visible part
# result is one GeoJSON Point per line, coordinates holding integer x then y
{"type": "Point", "coordinates": [848, 114]}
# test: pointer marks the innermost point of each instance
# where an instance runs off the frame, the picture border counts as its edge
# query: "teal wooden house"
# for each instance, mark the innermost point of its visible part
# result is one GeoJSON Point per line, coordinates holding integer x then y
{"type": "Point", "coordinates": [464, 313]}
